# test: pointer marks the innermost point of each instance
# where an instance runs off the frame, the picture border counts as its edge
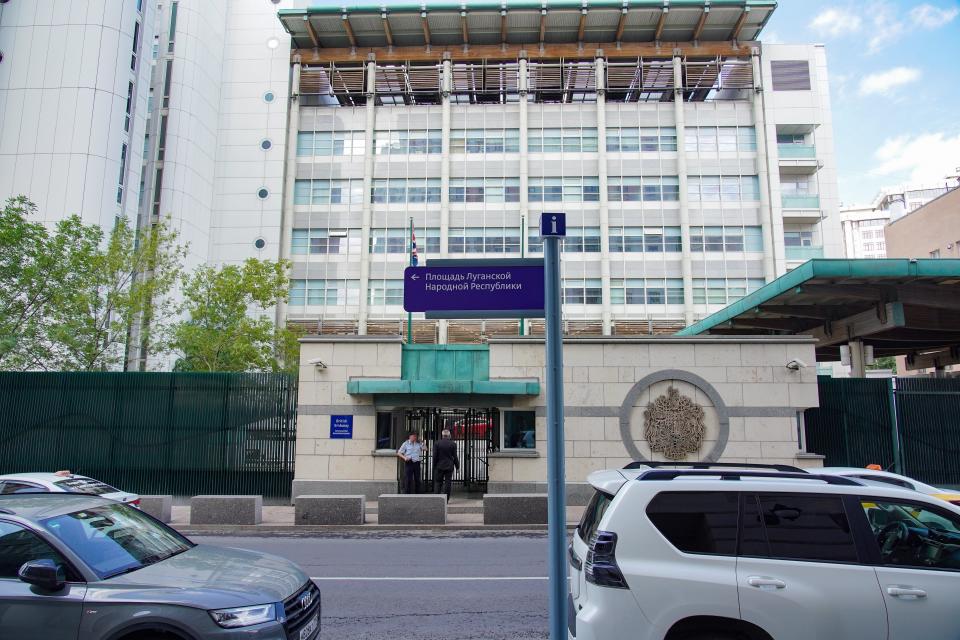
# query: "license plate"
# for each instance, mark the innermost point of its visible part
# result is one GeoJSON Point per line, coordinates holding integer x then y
{"type": "Point", "coordinates": [311, 626]}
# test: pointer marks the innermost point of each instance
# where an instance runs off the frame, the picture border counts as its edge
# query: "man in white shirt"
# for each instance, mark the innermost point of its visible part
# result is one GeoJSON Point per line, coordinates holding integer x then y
{"type": "Point", "coordinates": [411, 452]}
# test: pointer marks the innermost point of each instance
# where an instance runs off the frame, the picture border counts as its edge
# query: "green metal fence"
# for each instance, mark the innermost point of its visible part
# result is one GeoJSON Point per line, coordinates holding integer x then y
{"type": "Point", "coordinates": [168, 433]}
{"type": "Point", "coordinates": [907, 424]}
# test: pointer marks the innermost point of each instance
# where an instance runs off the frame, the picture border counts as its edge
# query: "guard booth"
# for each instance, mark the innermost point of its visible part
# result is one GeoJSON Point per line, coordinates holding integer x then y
{"type": "Point", "coordinates": [449, 387]}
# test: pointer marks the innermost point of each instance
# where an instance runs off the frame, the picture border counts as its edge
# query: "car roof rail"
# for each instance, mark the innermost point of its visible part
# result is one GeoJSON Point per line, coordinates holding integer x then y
{"type": "Point", "coordinates": [639, 464]}
{"type": "Point", "coordinates": [6, 512]}
{"type": "Point", "coordinates": [730, 474]}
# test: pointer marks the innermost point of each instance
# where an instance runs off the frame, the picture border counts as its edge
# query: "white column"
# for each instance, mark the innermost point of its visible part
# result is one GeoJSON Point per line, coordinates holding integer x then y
{"type": "Point", "coordinates": [522, 88]}
{"type": "Point", "coordinates": [858, 359]}
{"type": "Point", "coordinates": [446, 84]}
{"type": "Point", "coordinates": [289, 178]}
{"type": "Point", "coordinates": [686, 261]}
{"type": "Point", "coordinates": [605, 312]}
{"type": "Point", "coordinates": [763, 174]}
{"type": "Point", "coordinates": [367, 211]}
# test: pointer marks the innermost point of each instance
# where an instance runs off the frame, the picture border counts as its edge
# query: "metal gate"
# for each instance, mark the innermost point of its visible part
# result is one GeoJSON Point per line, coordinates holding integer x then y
{"type": "Point", "coordinates": [476, 433]}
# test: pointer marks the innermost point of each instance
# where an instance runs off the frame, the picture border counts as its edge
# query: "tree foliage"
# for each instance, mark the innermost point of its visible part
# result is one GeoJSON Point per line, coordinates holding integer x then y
{"type": "Point", "coordinates": [70, 300]}
{"type": "Point", "coordinates": [228, 328]}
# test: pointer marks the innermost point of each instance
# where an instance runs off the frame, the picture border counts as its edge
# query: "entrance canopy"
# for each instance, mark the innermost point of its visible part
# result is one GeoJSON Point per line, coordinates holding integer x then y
{"type": "Point", "coordinates": [901, 307]}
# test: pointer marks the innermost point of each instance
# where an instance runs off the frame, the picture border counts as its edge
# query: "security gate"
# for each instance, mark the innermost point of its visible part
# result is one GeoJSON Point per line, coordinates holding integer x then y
{"type": "Point", "coordinates": [476, 433]}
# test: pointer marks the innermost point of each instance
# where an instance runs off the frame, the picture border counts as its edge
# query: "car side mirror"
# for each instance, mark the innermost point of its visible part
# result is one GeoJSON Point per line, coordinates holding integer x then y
{"type": "Point", "coordinates": [46, 574]}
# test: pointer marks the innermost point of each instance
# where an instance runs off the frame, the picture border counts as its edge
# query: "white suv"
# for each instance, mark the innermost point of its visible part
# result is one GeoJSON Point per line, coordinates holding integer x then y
{"type": "Point", "coordinates": [726, 553]}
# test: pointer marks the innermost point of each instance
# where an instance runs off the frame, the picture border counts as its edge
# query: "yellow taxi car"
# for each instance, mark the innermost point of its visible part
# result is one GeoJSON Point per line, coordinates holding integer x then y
{"type": "Point", "coordinates": [873, 474]}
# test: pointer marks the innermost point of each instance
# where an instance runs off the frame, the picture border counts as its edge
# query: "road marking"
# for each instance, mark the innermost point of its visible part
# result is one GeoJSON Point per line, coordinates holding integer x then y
{"type": "Point", "coordinates": [425, 578]}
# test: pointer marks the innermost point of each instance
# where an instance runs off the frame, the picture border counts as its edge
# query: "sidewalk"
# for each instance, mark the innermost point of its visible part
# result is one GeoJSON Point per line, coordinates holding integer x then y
{"type": "Point", "coordinates": [462, 515]}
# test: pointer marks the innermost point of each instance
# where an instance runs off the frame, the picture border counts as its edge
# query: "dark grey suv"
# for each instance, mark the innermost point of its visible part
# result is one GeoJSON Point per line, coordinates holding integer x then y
{"type": "Point", "coordinates": [85, 568]}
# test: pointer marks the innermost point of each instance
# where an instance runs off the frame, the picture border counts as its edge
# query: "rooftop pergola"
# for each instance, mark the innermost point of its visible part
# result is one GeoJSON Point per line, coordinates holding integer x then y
{"type": "Point", "coordinates": [337, 32]}
{"type": "Point", "coordinates": [899, 307]}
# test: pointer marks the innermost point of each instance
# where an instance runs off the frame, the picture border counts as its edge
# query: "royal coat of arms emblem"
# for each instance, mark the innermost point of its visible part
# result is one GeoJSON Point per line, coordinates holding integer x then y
{"type": "Point", "coordinates": [673, 425]}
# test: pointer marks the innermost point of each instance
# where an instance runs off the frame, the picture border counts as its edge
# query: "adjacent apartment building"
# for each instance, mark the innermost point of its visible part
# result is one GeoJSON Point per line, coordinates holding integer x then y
{"type": "Point", "coordinates": [694, 162]}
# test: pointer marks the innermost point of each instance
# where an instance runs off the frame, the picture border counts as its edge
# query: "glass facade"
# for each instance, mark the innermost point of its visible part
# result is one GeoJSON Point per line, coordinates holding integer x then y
{"type": "Point", "coordinates": [707, 239]}
{"type": "Point", "coordinates": [320, 192]}
{"type": "Point", "coordinates": [645, 239]}
{"type": "Point", "coordinates": [570, 140]}
{"type": "Point", "coordinates": [480, 240]}
{"type": "Point", "coordinates": [637, 189]}
{"type": "Point", "coordinates": [642, 139]}
{"type": "Point", "coordinates": [315, 292]}
{"type": "Point", "coordinates": [407, 142]}
{"type": "Point", "coordinates": [723, 188]}
{"type": "Point", "coordinates": [485, 190]}
{"type": "Point", "coordinates": [330, 143]}
{"type": "Point", "coordinates": [720, 139]}
{"type": "Point", "coordinates": [646, 290]}
{"type": "Point", "coordinates": [566, 189]}
{"type": "Point", "coordinates": [484, 141]}
{"type": "Point", "coordinates": [325, 241]}
{"type": "Point", "coordinates": [404, 190]}
{"type": "Point", "coordinates": [723, 290]}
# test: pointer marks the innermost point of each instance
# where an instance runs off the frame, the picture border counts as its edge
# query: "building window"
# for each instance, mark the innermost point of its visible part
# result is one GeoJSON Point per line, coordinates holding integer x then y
{"type": "Point", "coordinates": [384, 430]}
{"type": "Point", "coordinates": [325, 242]}
{"type": "Point", "coordinates": [646, 290]}
{"type": "Point", "coordinates": [319, 192]}
{"type": "Point", "coordinates": [385, 292]}
{"type": "Point", "coordinates": [480, 240]}
{"type": "Point", "coordinates": [566, 189]}
{"type": "Point", "coordinates": [935, 253]}
{"type": "Point", "coordinates": [791, 138]}
{"type": "Point", "coordinates": [324, 292]}
{"type": "Point", "coordinates": [642, 139]}
{"type": "Point", "coordinates": [644, 239]}
{"type": "Point", "coordinates": [582, 291]}
{"type": "Point", "coordinates": [570, 140]}
{"type": "Point", "coordinates": [331, 143]}
{"type": "Point", "coordinates": [123, 171]}
{"type": "Point", "coordinates": [581, 240]}
{"type": "Point", "coordinates": [484, 141]}
{"type": "Point", "coordinates": [649, 189]}
{"type": "Point", "coordinates": [714, 139]}
{"type": "Point", "coordinates": [136, 45]}
{"type": "Point", "coordinates": [401, 190]}
{"type": "Point", "coordinates": [397, 241]}
{"type": "Point", "coordinates": [798, 238]}
{"type": "Point", "coordinates": [173, 26]}
{"type": "Point", "coordinates": [485, 190]}
{"type": "Point", "coordinates": [129, 107]}
{"type": "Point", "coordinates": [405, 142]}
{"type": "Point", "coordinates": [790, 75]}
{"type": "Point", "coordinates": [723, 290]}
{"type": "Point", "coordinates": [707, 239]}
{"type": "Point", "coordinates": [519, 429]}
{"type": "Point", "coordinates": [795, 186]}
{"type": "Point", "coordinates": [723, 189]}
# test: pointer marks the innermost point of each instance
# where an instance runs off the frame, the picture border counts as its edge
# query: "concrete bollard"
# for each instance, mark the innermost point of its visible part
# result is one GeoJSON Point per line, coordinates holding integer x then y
{"type": "Point", "coordinates": [329, 510]}
{"type": "Point", "coordinates": [515, 508]}
{"type": "Point", "coordinates": [412, 509]}
{"type": "Point", "coordinates": [157, 506]}
{"type": "Point", "coordinates": [226, 510]}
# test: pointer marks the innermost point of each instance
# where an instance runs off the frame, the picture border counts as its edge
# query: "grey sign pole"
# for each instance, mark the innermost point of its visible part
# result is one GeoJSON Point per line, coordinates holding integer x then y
{"type": "Point", "coordinates": [552, 229]}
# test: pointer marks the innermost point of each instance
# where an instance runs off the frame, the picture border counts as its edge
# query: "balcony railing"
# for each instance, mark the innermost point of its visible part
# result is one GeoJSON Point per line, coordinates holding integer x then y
{"type": "Point", "coordinates": [797, 151]}
{"type": "Point", "coordinates": [803, 253]}
{"type": "Point", "coordinates": [801, 201]}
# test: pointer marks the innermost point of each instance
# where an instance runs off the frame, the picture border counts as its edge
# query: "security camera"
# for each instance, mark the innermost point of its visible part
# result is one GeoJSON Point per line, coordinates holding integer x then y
{"type": "Point", "coordinates": [318, 363]}
{"type": "Point", "coordinates": [796, 365]}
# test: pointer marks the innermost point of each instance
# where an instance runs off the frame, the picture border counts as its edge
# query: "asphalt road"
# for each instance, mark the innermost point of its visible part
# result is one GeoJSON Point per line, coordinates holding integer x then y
{"type": "Point", "coordinates": [437, 585]}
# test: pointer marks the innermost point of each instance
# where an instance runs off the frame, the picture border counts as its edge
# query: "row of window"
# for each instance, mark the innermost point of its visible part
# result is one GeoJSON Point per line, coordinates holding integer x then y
{"type": "Point", "coordinates": [499, 190]}
{"type": "Point", "coordinates": [507, 240]}
{"type": "Point", "coordinates": [389, 292]}
{"type": "Point", "coordinates": [547, 140]}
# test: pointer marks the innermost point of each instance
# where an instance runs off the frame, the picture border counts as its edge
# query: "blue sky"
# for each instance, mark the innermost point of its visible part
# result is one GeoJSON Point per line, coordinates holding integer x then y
{"type": "Point", "coordinates": [894, 70]}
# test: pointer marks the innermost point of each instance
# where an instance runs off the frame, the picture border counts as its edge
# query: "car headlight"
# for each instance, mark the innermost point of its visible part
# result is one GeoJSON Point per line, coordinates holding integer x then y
{"type": "Point", "coordinates": [245, 616]}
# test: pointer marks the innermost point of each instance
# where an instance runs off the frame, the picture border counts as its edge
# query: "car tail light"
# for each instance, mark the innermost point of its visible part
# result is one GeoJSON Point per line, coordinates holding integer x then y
{"type": "Point", "coordinates": [135, 503]}
{"type": "Point", "coordinates": [601, 564]}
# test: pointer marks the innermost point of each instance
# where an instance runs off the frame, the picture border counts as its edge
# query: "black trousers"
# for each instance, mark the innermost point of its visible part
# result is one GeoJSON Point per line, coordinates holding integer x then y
{"type": "Point", "coordinates": [411, 476]}
{"type": "Point", "coordinates": [442, 481]}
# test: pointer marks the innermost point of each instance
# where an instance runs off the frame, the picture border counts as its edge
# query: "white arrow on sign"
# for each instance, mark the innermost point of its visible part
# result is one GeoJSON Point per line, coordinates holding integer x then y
{"type": "Point", "coordinates": [414, 277]}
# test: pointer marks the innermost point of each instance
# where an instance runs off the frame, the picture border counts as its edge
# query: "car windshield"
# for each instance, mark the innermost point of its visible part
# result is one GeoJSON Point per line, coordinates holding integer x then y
{"type": "Point", "coordinates": [85, 485]}
{"type": "Point", "coordinates": [114, 538]}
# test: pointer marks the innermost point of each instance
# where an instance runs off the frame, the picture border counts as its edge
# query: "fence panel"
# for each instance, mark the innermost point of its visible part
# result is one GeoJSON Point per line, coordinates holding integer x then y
{"type": "Point", "coordinates": [852, 426]}
{"type": "Point", "coordinates": [928, 415]}
{"type": "Point", "coordinates": [171, 433]}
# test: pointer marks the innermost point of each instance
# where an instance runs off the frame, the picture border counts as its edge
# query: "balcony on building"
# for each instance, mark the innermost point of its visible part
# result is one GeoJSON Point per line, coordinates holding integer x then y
{"type": "Point", "coordinates": [797, 150]}
{"type": "Point", "coordinates": [802, 254]}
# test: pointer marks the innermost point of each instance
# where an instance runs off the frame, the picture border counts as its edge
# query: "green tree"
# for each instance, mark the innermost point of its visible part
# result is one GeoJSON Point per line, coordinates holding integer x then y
{"type": "Point", "coordinates": [886, 362]}
{"type": "Point", "coordinates": [70, 301]}
{"type": "Point", "coordinates": [227, 328]}
{"type": "Point", "coordinates": [123, 297]}
{"type": "Point", "coordinates": [40, 272]}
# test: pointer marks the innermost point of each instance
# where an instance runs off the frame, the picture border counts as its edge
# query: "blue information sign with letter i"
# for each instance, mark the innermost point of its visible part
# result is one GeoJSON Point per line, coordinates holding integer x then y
{"type": "Point", "coordinates": [341, 427]}
{"type": "Point", "coordinates": [553, 224]}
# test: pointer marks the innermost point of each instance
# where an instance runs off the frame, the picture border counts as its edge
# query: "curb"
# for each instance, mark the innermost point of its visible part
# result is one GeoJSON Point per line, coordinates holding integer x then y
{"type": "Point", "coordinates": [412, 530]}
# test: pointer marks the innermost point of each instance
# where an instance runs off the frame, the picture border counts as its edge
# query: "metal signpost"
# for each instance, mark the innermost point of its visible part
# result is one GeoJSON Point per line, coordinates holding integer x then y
{"type": "Point", "coordinates": [553, 227]}
{"type": "Point", "coordinates": [514, 288]}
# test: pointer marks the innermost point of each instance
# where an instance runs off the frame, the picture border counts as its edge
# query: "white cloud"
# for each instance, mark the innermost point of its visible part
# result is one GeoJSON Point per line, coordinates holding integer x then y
{"type": "Point", "coordinates": [836, 22]}
{"type": "Point", "coordinates": [887, 27]}
{"type": "Point", "coordinates": [931, 17]}
{"type": "Point", "coordinates": [772, 38]}
{"type": "Point", "coordinates": [922, 159]}
{"type": "Point", "coordinates": [885, 82]}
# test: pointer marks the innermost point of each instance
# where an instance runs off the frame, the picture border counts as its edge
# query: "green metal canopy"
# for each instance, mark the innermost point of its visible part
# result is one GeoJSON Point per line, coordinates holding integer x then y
{"type": "Point", "coordinates": [899, 306]}
{"type": "Point", "coordinates": [462, 369]}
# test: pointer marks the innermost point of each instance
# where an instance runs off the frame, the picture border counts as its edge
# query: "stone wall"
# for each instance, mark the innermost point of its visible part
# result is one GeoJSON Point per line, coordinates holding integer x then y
{"type": "Point", "coordinates": [752, 403]}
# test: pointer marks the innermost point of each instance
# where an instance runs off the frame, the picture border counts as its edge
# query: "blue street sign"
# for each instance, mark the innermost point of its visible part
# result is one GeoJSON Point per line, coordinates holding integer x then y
{"type": "Point", "coordinates": [341, 427]}
{"type": "Point", "coordinates": [553, 224]}
{"type": "Point", "coordinates": [508, 288]}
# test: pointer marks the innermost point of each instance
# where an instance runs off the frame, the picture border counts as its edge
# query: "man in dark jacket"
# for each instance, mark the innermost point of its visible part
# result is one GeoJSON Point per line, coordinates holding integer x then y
{"type": "Point", "coordinates": [445, 460]}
